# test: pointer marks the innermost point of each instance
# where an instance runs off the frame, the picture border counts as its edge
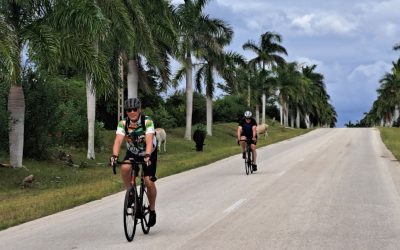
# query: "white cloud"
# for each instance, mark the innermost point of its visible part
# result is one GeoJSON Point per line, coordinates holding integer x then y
{"type": "Point", "coordinates": [303, 22]}
{"type": "Point", "coordinates": [323, 23]}
{"type": "Point", "coordinates": [372, 72]}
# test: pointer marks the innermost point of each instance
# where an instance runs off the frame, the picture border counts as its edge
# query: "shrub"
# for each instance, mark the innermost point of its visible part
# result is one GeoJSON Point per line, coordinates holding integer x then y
{"type": "Point", "coordinates": [40, 119]}
{"type": "Point", "coordinates": [161, 117]}
{"type": "Point", "coordinates": [72, 124]}
{"type": "Point", "coordinates": [229, 109]}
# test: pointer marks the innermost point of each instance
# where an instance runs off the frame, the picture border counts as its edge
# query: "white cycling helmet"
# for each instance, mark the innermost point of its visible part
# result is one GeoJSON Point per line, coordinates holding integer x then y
{"type": "Point", "coordinates": [247, 114]}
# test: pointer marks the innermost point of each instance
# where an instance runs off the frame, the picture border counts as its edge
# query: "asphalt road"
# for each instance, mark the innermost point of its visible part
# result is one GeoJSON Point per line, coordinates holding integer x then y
{"type": "Point", "coordinates": [328, 189]}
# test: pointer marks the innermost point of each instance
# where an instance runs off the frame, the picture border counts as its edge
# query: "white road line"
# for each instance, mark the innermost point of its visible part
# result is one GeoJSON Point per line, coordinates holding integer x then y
{"type": "Point", "coordinates": [234, 206]}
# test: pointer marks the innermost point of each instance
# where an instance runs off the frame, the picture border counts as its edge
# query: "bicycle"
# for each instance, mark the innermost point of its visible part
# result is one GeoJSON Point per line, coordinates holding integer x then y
{"type": "Point", "coordinates": [136, 202]}
{"type": "Point", "coordinates": [248, 161]}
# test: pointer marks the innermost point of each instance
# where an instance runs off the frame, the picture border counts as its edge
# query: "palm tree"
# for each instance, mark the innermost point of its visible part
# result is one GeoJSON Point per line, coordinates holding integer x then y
{"type": "Point", "coordinates": [211, 65]}
{"type": "Point", "coordinates": [92, 28]}
{"type": "Point", "coordinates": [153, 42]}
{"type": "Point", "coordinates": [268, 54]}
{"type": "Point", "coordinates": [390, 92]}
{"type": "Point", "coordinates": [35, 26]}
{"type": "Point", "coordinates": [194, 29]}
{"type": "Point", "coordinates": [215, 61]}
{"type": "Point", "coordinates": [15, 17]}
{"type": "Point", "coordinates": [288, 79]}
{"type": "Point", "coordinates": [316, 99]}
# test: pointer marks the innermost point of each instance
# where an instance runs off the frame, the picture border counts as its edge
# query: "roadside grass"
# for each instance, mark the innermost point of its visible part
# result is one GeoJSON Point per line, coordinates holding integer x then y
{"type": "Point", "coordinates": [391, 138]}
{"type": "Point", "coordinates": [57, 186]}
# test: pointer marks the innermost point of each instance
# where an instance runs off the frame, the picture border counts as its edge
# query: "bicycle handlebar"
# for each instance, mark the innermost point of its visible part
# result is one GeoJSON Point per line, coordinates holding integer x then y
{"type": "Point", "coordinates": [131, 161]}
{"type": "Point", "coordinates": [247, 140]}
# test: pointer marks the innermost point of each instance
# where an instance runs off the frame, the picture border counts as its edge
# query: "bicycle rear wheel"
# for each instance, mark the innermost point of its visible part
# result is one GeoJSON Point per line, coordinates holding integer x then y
{"type": "Point", "coordinates": [130, 213]}
{"type": "Point", "coordinates": [145, 209]}
{"type": "Point", "coordinates": [250, 162]}
{"type": "Point", "coordinates": [246, 167]}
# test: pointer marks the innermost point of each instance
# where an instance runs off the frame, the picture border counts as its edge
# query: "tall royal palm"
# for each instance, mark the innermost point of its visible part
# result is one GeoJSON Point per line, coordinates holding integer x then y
{"type": "Point", "coordinates": [194, 29]}
{"type": "Point", "coordinates": [269, 53]}
{"type": "Point", "coordinates": [288, 80]}
{"type": "Point", "coordinates": [88, 23]}
{"type": "Point", "coordinates": [316, 98]}
{"type": "Point", "coordinates": [211, 66]}
{"type": "Point", "coordinates": [34, 26]}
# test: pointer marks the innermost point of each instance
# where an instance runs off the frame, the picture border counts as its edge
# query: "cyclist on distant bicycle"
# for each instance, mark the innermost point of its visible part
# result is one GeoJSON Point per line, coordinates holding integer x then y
{"type": "Point", "coordinates": [247, 129]}
{"type": "Point", "coordinates": [138, 132]}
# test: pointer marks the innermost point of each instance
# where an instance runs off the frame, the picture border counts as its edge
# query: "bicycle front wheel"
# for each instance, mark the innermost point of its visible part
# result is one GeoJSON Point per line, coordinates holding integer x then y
{"type": "Point", "coordinates": [249, 162]}
{"type": "Point", "coordinates": [145, 205]}
{"type": "Point", "coordinates": [246, 168]}
{"type": "Point", "coordinates": [130, 213]}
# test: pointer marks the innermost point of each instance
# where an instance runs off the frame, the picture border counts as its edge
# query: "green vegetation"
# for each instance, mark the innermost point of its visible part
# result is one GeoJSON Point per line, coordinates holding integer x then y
{"type": "Point", "coordinates": [391, 138]}
{"type": "Point", "coordinates": [58, 186]}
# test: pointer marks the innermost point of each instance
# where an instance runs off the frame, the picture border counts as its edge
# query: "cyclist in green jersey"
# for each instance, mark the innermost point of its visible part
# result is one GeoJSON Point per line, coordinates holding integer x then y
{"type": "Point", "coordinates": [139, 133]}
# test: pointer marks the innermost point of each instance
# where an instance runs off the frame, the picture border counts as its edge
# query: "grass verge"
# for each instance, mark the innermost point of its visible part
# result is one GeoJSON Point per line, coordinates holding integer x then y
{"type": "Point", "coordinates": [58, 186]}
{"type": "Point", "coordinates": [391, 138]}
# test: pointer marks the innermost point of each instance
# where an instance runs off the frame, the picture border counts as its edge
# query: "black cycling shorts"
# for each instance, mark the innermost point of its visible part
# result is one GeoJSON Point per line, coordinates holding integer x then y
{"type": "Point", "coordinates": [149, 170]}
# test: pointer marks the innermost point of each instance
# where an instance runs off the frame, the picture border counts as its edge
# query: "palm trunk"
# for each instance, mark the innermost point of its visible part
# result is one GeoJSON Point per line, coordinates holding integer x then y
{"type": "Point", "coordinates": [263, 99]}
{"type": "Point", "coordinates": [285, 114]}
{"type": "Point", "coordinates": [16, 107]}
{"type": "Point", "coordinates": [258, 114]}
{"type": "Point", "coordinates": [396, 113]}
{"type": "Point", "coordinates": [91, 110]}
{"type": "Point", "coordinates": [133, 78]}
{"type": "Point", "coordinates": [291, 118]}
{"type": "Point", "coordinates": [189, 98]}
{"type": "Point", "coordinates": [91, 114]}
{"type": "Point", "coordinates": [209, 115]}
{"type": "Point", "coordinates": [298, 117]}
{"type": "Point", "coordinates": [307, 120]}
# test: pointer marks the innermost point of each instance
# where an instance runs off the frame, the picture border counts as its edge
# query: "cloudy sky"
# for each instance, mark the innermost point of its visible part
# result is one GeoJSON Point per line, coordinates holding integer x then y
{"type": "Point", "coordinates": [351, 42]}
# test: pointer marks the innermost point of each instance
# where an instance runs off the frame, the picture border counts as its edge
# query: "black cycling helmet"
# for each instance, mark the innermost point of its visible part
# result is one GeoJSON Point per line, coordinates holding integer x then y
{"type": "Point", "coordinates": [132, 103]}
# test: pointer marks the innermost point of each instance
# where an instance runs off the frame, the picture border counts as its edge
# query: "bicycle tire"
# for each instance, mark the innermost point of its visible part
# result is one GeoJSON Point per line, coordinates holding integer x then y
{"type": "Point", "coordinates": [249, 161]}
{"type": "Point", "coordinates": [245, 164]}
{"type": "Point", "coordinates": [145, 209]}
{"type": "Point", "coordinates": [130, 213]}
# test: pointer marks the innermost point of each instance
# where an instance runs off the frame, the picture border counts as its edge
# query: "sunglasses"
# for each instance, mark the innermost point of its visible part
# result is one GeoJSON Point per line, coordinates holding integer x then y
{"type": "Point", "coordinates": [132, 110]}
